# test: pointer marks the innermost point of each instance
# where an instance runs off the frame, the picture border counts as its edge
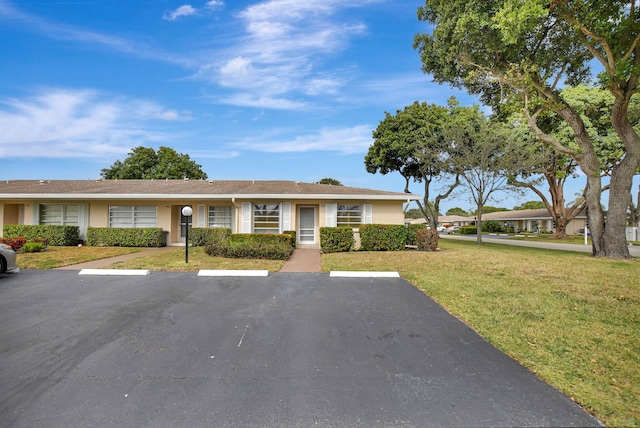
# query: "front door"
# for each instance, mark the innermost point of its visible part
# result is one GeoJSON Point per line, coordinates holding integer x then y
{"type": "Point", "coordinates": [307, 225]}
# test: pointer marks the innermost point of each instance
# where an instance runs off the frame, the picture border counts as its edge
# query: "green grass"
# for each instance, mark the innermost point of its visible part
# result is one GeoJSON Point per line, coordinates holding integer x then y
{"type": "Point", "coordinates": [55, 257]}
{"type": "Point", "coordinates": [174, 261]}
{"type": "Point", "coordinates": [570, 318]}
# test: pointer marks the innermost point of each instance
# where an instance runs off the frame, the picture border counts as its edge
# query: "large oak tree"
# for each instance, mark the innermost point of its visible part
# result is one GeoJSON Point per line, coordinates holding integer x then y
{"type": "Point", "coordinates": [532, 48]}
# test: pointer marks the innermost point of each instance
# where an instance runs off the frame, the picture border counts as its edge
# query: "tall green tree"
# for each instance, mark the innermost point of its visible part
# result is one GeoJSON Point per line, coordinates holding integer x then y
{"type": "Point", "coordinates": [331, 181]}
{"type": "Point", "coordinates": [530, 205]}
{"type": "Point", "coordinates": [485, 161]}
{"type": "Point", "coordinates": [533, 48]}
{"type": "Point", "coordinates": [412, 143]}
{"type": "Point", "coordinates": [144, 163]}
{"type": "Point", "coordinates": [457, 211]}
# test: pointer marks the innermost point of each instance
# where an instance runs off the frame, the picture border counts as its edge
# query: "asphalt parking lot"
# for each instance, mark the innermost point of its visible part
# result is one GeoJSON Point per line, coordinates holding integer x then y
{"type": "Point", "coordinates": [288, 350]}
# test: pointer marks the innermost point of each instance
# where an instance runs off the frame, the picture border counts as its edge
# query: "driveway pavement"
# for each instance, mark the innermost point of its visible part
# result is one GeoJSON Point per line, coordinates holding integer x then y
{"type": "Point", "coordinates": [288, 350]}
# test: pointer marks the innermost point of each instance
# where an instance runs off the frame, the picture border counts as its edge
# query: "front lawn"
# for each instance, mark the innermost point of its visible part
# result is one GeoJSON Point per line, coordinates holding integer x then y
{"type": "Point", "coordinates": [570, 318]}
{"type": "Point", "coordinates": [55, 257]}
{"type": "Point", "coordinates": [174, 261]}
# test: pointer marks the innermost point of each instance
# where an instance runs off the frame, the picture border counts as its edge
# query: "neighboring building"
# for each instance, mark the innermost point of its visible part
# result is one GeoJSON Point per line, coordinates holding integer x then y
{"type": "Point", "coordinates": [529, 220]}
{"type": "Point", "coordinates": [519, 220]}
{"type": "Point", "coordinates": [245, 206]}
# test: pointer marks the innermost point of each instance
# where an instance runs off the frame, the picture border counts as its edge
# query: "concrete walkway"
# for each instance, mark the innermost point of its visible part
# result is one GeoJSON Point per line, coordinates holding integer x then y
{"type": "Point", "coordinates": [303, 260]}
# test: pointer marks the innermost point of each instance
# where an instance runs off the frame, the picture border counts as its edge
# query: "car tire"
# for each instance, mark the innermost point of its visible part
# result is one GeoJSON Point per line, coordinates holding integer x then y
{"type": "Point", "coordinates": [3, 265]}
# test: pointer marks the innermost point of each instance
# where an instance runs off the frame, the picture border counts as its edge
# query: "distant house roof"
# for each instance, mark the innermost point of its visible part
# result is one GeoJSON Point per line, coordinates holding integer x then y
{"type": "Point", "coordinates": [188, 189]}
{"type": "Point", "coordinates": [541, 214]}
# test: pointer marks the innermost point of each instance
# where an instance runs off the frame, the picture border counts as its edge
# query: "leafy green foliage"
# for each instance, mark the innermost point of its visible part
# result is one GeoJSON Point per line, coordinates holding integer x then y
{"type": "Point", "coordinates": [125, 237]}
{"type": "Point", "coordinates": [336, 239]}
{"type": "Point", "coordinates": [33, 247]}
{"type": "Point", "coordinates": [383, 237]}
{"type": "Point", "coordinates": [492, 226]}
{"type": "Point", "coordinates": [57, 235]}
{"type": "Point", "coordinates": [201, 236]}
{"type": "Point", "coordinates": [331, 181]}
{"type": "Point", "coordinates": [252, 246]}
{"type": "Point", "coordinates": [145, 163]}
{"type": "Point", "coordinates": [490, 209]}
{"type": "Point", "coordinates": [413, 213]}
{"type": "Point", "coordinates": [468, 230]}
{"type": "Point", "coordinates": [412, 142]}
{"type": "Point", "coordinates": [457, 211]}
{"type": "Point", "coordinates": [530, 205]}
{"type": "Point", "coordinates": [293, 235]}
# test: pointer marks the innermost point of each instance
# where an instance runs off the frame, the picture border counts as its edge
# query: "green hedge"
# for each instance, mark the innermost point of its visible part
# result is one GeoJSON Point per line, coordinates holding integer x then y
{"type": "Point", "coordinates": [336, 239]}
{"type": "Point", "coordinates": [125, 237]}
{"type": "Point", "coordinates": [57, 235]}
{"type": "Point", "coordinates": [411, 232]}
{"type": "Point", "coordinates": [468, 230]}
{"type": "Point", "coordinates": [293, 235]}
{"type": "Point", "coordinates": [252, 246]}
{"type": "Point", "coordinates": [200, 236]}
{"type": "Point", "coordinates": [427, 239]}
{"type": "Point", "coordinates": [383, 237]}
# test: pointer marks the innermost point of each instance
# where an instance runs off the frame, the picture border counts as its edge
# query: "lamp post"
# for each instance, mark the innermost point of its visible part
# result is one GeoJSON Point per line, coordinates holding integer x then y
{"type": "Point", "coordinates": [186, 212]}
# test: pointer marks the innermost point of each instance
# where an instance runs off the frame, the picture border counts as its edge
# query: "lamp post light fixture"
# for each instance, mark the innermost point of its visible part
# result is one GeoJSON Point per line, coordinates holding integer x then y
{"type": "Point", "coordinates": [186, 212]}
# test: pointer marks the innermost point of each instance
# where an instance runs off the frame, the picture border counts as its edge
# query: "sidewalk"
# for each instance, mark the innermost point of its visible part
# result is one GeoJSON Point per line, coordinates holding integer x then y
{"type": "Point", "coordinates": [303, 260]}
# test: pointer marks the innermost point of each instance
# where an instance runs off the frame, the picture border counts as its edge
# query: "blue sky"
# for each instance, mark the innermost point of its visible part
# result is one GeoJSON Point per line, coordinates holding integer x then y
{"type": "Point", "coordinates": [271, 89]}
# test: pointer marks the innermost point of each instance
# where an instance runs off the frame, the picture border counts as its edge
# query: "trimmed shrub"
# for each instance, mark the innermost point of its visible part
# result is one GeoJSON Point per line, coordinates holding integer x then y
{"type": "Point", "coordinates": [492, 226]}
{"type": "Point", "coordinates": [468, 230]}
{"type": "Point", "coordinates": [125, 237]}
{"type": "Point", "coordinates": [252, 246]}
{"type": "Point", "coordinates": [411, 232]}
{"type": "Point", "coordinates": [33, 247]}
{"type": "Point", "coordinates": [293, 235]}
{"type": "Point", "coordinates": [201, 236]}
{"type": "Point", "coordinates": [257, 250]}
{"type": "Point", "coordinates": [383, 237]}
{"type": "Point", "coordinates": [57, 235]}
{"type": "Point", "coordinates": [427, 239]}
{"type": "Point", "coordinates": [43, 241]}
{"type": "Point", "coordinates": [16, 243]}
{"type": "Point", "coordinates": [336, 239]}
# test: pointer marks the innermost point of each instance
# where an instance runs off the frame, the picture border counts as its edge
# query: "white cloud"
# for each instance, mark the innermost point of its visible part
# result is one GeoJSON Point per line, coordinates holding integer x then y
{"type": "Point", "coordinates": [188, 10]}
{"type": "Point", "coordinates": [214, 4]}
{"type": "Point", "coordinates": [356, 139]}
{"type": "Point", "coordinates": [285, 42]}
{"type": "Point", "coordinates": [184, 10]}
{"type": "Point", "coordinates": [262, 101]}
{"type": "Point", "coordinates": [59, 123]}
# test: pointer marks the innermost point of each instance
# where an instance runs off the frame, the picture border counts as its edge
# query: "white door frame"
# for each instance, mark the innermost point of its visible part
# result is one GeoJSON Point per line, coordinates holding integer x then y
{"type": "Point", "coordinates": [315, 222]}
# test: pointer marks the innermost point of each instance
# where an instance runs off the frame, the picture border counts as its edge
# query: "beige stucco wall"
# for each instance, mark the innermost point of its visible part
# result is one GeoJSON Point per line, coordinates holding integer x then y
{"type": "Point", "coordinates": [168, 212]}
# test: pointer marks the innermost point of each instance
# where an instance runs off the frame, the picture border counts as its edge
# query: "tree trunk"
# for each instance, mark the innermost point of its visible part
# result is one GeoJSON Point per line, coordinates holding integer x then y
{"type": "Point", "coordinates": [615, 238]}
{"type": "Point", "coordinates": [595, 215]}
{"type": "Point", "coordinates": [479, 225]}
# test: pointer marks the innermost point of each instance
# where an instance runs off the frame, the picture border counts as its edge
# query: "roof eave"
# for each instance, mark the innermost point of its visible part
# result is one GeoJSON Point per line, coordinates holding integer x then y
{"type": "Point", "coordinates": [146, 196]}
